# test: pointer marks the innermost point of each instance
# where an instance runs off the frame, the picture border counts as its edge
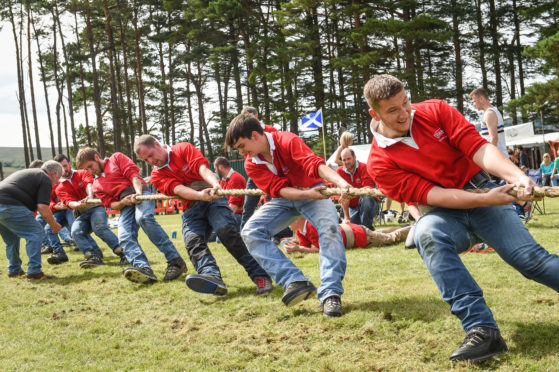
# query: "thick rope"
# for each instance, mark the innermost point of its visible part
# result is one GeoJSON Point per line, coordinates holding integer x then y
{"type": "Point", "coordinates": [537, 194]}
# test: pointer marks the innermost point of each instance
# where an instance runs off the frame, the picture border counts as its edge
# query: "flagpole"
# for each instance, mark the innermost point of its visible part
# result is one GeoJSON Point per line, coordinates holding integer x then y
{"type": "Point", "coordinates": [323, 139]}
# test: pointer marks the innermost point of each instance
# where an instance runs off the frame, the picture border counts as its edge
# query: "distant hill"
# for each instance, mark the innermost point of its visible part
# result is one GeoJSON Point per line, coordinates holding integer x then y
{"type": "Point", "coordinates": [13, 159]}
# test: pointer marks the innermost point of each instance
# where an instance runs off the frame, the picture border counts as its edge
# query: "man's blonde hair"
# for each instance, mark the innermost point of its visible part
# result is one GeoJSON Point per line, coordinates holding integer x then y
{"type": "Point", "coordinates": [479, 92]}
{"type": "Point", "coordinates": [381, 87]}
{"type": "Point", "coordinates": [84, 155]}
{"type": "Point", "coordinates": [145, 140]}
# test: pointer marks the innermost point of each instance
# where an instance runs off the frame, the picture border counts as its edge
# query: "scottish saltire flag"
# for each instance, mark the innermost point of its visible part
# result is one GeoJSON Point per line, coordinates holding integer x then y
{"type": "Point", "coordinates": [312, 120]}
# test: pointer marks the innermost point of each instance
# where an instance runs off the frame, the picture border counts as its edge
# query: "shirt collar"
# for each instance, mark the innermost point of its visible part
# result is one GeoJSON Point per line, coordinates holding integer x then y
{"type": "Point", "coordinates": [231, 170]}
{"type": "Point", "coordinates": [384, 142]}
{"type": "Point", "coordinates": [169, 151]}
{"type": "Point", "coordinates": [256, 159]}
{"type": "Point", "coordinates": [355, 170]}
{"type": "Point", "coordinates": [69, 178]}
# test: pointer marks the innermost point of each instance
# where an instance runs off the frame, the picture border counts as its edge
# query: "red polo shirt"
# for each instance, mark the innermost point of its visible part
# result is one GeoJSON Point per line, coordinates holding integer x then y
{"type": "Point", "coordinates": [359, 178]}
{"type": "Point", "coordinates": [309, 236]}
{"type": "Point", "coordinates": [233, 181]}
{"type": "Point", "coordinates": [294, 165]}
{"type": "Point", "coordinates": [74, 188]}
{"type": "Point", "coordinates": [182, 168]}
{"type": "Point", "coordinates": [118, 172]}
{"type": "Point", "coordinates": [440, 152]}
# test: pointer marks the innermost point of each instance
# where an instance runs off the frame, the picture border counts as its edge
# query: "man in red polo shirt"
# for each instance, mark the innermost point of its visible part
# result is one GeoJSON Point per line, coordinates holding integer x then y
{"type": "Point", "coordinates": [73, 191]}
{"type": "Point", "coordinates": [117, 183]}
{"type": "Point", "coordinates": [182, 170]}
{"type": "Point", "coordinates": [286, 169]}
{"type": "Point", "coordinates": [359, 210]}
{"type": "Point", "coordinates": [430, 154]}
{"type": "Point", "coordinates": [231, 180]}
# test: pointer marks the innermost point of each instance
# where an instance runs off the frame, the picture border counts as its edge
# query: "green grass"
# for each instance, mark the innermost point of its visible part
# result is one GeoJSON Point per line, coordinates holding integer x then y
{"type": "Point", "coordinates": [394, 318]}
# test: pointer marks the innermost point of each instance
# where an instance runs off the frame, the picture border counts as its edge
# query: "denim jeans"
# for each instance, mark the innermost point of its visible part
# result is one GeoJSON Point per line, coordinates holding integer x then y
{"type": "Point", "coordinates": [65, 218]}
{"type": "Point", "coordinates": [279, 213]}
{"type": "Point", "coordinates": [365, 212]}
{"type": "Point", "coordinates": [199, 220]}
{"type": "Point", "coordinates": [554, 180]}
{"type": "Point", "coordinates": [251, 202]}
{"type": "Point", "coordinates": [18, 222]}
{"type": "Point", "coordinates": [141, 215]}
{"type": "Point", "coordinates": [93, 220]}
{"type": "Point", "coordinates": [64, 232]}
{"type": "Point", "coordinates": [443, 233]}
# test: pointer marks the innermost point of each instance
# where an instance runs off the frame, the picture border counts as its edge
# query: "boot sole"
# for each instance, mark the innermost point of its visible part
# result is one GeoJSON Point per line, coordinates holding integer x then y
{"type": "Point", "coordinates": [203, 285]}
{"type": "Point", "coordinates": [56, 261]}
{"type": "Point", "coordinates": [138, 277]}
{"type": "Point", "coordinates": [89, 265]}
{"type": "Point", "coordinates": [481, 358]}
{"type": "Point", "coordinates": [297, 298]}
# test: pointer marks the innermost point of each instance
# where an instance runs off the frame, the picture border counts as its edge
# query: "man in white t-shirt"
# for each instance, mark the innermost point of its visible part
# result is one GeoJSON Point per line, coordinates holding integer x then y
{"type": "Point", "coordinates": [492, 124]}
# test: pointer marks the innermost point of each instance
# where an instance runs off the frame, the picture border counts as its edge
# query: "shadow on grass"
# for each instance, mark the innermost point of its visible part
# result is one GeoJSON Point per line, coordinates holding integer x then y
{"type": "Point", "coordinates": [426, 309]}
{"type": "Point", "coordinates": [76, 278]}
{"type": "Point", "coordinates": [535, 339]}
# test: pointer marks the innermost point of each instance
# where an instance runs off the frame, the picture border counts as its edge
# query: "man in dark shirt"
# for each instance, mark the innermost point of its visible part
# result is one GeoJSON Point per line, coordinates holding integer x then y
{"type": "Point", "coordinates": [21, 194]}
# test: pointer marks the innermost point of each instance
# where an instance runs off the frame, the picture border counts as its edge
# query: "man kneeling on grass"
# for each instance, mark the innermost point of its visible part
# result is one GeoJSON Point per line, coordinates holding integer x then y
{"type": "Point", "coordinates": [280, 164]}
{"type": "Point", "coordinates": [117, 183]}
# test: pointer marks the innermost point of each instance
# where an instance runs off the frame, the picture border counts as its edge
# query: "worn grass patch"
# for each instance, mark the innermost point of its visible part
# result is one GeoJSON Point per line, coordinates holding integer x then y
{"type": "Point", "coordinates": [394, 318]}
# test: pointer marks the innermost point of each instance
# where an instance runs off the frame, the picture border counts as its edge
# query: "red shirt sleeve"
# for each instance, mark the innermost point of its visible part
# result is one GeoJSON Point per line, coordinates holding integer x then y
{"type": "Point", "coordinates": [266, 181]}
{"type": "Point", "coordinates": [461, 133]}
{"type": "Point", "coordinates": [128, 168]}
{"type": "Point", "coordinates": [237, 181]}
{"type": "Point", "coordinates": [304, 156]}
{"type": "Point", "coordinates": [365, 177]}
{"type": "Point", "coordinates": [189, 154]}
{"type": "Point", "coordinates": [303, 241]}
{"type": "Point", "coordinates": [165, 184]}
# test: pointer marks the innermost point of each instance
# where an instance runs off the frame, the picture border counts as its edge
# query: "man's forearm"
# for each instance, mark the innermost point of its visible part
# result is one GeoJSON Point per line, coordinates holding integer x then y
{"type": "Point", "coordinates": [330, 175]}
{"type": "Point", "coordinates": [490, 159]}
{"type": "Point", "coordinates": [137, 184]}
{"type": "Point", "coordinates": [208, 176]}
{"type": "Point", "coordinates": [46, 213]}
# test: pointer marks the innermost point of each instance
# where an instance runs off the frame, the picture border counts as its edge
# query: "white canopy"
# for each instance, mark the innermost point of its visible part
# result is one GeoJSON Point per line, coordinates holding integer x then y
{"type": "Point", "coordinates": [535, 140]}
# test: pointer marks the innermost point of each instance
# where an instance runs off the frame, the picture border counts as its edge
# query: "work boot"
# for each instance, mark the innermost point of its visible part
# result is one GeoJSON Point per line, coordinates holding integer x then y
{"type": "Point", "coordinates": [202, 283]}
{"type": "Point", "coordinates": [46, 250]}
{"type": "Point", "coordinates": [297, 292]}
{"type": "Point", "coordinates": [480, 344]}
{"type": "Point", "coordinates": [332, 306]}
{"type": "Point", "coordinates": [175, 268]}
{"type": "Point", "coordinates": [57, 258]}
{"type": "Point", "coordinates": [142, 275]}
{"type": "Point", "coordinates": [91, 262]}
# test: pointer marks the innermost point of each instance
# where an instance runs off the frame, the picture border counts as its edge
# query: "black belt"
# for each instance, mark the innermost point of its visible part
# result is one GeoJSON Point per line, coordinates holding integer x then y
{"type": "Point", "coordinates": [479, 179]}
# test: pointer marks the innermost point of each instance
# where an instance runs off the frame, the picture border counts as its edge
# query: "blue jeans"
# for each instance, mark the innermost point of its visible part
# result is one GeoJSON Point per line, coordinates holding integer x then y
{"type": "Point", "coordinates": [251, 202]}
{"type": "Point", "coordinates": [365, 212]}
{"type": "Point", "coordinates": [554, 180]}
{"type": "Point", "coordinates": [18, 222]}
{"type": "Point", "coordinates": [279, 213]}
{"type": "Point", "coordinates": [131, 219]}
{"type": "Point", "coordinates": [65, 218]}
{"type": "Point", "coordinates": [93, 220]}
{"type": "Point", "coordinates": [443, 233]}
{"type": "Point", "coordinates": [199, 220]}
{"type": "Point", "coordinates": [64, 233]}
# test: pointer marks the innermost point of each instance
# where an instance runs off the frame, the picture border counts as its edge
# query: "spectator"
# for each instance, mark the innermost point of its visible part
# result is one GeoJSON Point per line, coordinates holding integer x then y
{"type": "Point", "coordinates": [492, 124]}
{"type": "Point", "coordinates": [346, 139]}
{"type": "Point", "coordinates": [359, 210]}
{"type": "Point", "coordinates": [523, 157]}
{"type": "Point", "coordinates": [546, 169]}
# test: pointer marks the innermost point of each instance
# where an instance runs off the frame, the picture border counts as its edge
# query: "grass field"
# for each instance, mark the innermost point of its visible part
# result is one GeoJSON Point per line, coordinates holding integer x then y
{"type": "Point", "coordinates": [394, 318]}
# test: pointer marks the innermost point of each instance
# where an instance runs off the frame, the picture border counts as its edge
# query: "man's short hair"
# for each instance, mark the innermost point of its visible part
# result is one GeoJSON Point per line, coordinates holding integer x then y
{"type": "Point", "coordinates": [143, 140]}
{"type": "Point", "coordinates": [221, 160]}
{"type": "Point", "coordinates": [350, 151]}
{"type": "Point", "coordinates": [53, 166]}
{"type": "Point", "coordinates": [250, 110]}
{"type": "Point", "coordinates": [37, 163]}
{"type": "Point", "coordinates": [84, 155]}
{"type": "Point", "coordinates": [381, 87]}
{"type": "Point", "coordinates": [61, 157]}
{"type": "Point", "coordinates": [242, 126]}
{"type": "Point", "coordinates": [479, 92]}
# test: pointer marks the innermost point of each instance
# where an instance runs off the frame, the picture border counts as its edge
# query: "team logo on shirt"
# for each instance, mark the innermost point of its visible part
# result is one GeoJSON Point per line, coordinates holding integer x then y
{"type": "Point", "coordinates": [185, 168]}
{"type": "Point", "coordinates": [358, 180]}
{"type": "Point", "coordinates": [440, 135]}
{"type": "Point", "coordinates": [285, 169]}
{"type": "Point", "coordinates": [114, 167]}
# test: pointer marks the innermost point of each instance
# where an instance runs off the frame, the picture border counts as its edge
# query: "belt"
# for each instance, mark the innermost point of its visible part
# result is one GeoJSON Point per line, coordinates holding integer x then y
{"type": "Point", "coordinates": [479, 179]}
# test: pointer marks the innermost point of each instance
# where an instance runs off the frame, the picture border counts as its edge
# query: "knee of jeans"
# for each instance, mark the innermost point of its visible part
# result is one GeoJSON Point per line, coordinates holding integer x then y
{"type": "Point", "coordinates": [145, 219]}
{"type": "Point", "coordinates": [424, 238]}
{"type": "Point", "coordinates": [250, 234]}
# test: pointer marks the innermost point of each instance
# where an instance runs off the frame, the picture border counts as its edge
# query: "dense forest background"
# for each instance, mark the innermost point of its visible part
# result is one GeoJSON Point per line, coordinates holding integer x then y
{"type": "Point", "coordinates": [181, 70]}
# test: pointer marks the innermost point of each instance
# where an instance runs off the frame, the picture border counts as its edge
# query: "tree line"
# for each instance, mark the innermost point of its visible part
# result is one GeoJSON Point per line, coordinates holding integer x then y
{"type": "Point", "coordinates": [181, 70]}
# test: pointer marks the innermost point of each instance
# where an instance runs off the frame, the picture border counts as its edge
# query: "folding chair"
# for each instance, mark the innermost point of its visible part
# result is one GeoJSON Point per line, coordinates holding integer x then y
{"type": "Point", "coordinates": [536, 176]}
